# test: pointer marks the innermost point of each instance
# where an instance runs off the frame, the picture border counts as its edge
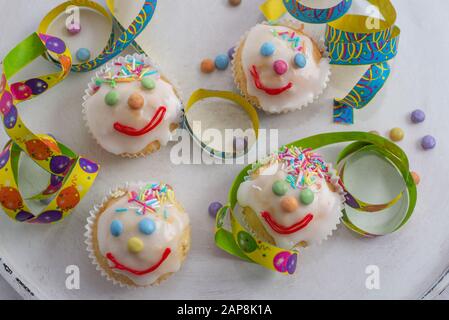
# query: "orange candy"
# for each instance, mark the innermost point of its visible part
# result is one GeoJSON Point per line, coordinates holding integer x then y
{"type": "Point", "coordinates": [207, 66]}
{"type": "Point", "coordinates": [289, 204]}
{"type": "Point", "coordinates": [416, 177]}
{"type": "Point", "coordinates": [136, 101]}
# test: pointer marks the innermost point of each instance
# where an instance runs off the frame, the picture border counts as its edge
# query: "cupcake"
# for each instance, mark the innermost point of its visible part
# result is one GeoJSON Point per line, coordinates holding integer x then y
{"type": "Point", "coordinates": [278, 68]}
{"type": "Point", "coordinates": [130, 108]}
{"type": "Point", "coordinates": [291, 199]}
{"type": "Point", "coordinates": [139, 235]}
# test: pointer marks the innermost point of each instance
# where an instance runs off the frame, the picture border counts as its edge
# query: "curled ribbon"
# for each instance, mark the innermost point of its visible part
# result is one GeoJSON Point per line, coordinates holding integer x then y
{"type": "Point", "coordinates": [351, 40]}
{"type": "Point", "coordinates": [240, 243]}
{"type": "Point", "coordinates": [71, 176]}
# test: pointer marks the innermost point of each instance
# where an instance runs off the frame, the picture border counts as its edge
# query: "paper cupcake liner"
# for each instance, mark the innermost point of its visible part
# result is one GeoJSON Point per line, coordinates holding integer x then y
{"type": "Point", "coordinates": [286, 22]}
{"type": "Point", "coordinates": [90, 91]}
{"type": "Point", "coordinates": [113, 193]}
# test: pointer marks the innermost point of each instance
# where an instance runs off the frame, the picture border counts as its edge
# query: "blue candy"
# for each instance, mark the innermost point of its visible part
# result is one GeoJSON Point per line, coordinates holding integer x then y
{"type": "Point", "coordinates": [116, 228]}
{"type": "Point", "coordinates": [267, 49]}
{"type": "Point", "coordinates": [300, 60]}
{"type": "Point", "coordinates": [147, 226]}
{"type": "Point", "coordinates": [83, 54]}
{"type": "Point", "coordinates": [222, 62]}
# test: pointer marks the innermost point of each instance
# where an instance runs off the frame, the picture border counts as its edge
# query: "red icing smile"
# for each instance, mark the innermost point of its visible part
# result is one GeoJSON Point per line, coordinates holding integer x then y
{"type": "Point", "coordinates": [119, 266]}
{"type": "Point", "coordinates": [271, 91]}
{"type": "Point", "coordinates": [153, 124]}
{"type": "Point", "coordinates": [304, 222]}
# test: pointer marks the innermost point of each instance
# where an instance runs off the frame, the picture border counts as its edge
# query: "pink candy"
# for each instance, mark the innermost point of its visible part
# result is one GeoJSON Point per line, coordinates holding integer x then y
{"type": "Point", "coordinates": [280, 67]}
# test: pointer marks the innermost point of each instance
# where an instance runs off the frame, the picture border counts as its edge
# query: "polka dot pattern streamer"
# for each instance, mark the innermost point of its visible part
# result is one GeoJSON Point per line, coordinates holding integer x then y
{"type": "Point", "coordinates": [351, 40]}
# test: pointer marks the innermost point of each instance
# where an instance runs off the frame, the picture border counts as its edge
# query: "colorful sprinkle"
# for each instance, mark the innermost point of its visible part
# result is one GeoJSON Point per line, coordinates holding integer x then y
{"type": "Point", "coordinates": [121, 210]}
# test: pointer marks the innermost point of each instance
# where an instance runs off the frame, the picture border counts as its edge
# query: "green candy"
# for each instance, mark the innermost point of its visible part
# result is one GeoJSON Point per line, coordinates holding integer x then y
{"type": "Point", "coordinates": [98, 82]}
{"type": "Point", "coordinates": [306, 196]}
{"type": "Point", "coordinates": [246, 242]}
{"type": "Point", "coordinates": [148, 83]}
{"type": "Point", "coordinates": [112, 98]}
{"type": "Point", "coordinates": [280, 188]}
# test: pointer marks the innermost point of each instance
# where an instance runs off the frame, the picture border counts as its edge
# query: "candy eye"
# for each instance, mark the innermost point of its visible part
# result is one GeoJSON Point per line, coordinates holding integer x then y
{"type": "Point", "coordinates": [147, 226]}
{"type": "Point", "coordinates": [306, 196]}
{"type": "Point", "coordinates": [148, 83]}
{"type": "Point", "coordinates": [300, 60]}
{"type": "Point", "coordinates": [280, 188]}
{"type": "Point", "coordinates": [112, 98]}
{"type": "Point", "coordinates": [267, 49]}
{"type": "Point", "coordinates": [116, 228]}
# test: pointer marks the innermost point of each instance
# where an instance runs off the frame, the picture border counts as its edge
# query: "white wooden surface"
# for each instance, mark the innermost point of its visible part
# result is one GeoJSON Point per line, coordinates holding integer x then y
{"type": "Point", "coordinates": [183, 33]}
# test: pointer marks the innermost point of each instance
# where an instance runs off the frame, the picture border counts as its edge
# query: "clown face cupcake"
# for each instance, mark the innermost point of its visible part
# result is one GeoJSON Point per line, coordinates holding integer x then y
{"type": "Point", "coordinates": [278, 68]}
{"type": "Point", "coordinates": [291, 199]}
{"type": "Point", "coordinates": [130, 108]}
{"type": "Point", "coordinates": [139, 235]}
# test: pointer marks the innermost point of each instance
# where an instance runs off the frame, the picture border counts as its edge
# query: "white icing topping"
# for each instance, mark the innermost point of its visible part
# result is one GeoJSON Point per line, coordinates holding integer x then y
{"type": "Point", "coordinates": [308, 82]}
{"type": "Point", "coordinates": [326, 208]}
{"type": "Point", "coordinates": [171, 222]}
{"type": "Point", "coordinates": [101, 117]}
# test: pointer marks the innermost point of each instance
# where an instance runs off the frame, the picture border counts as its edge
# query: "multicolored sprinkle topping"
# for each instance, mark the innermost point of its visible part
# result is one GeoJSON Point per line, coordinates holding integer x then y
{"type": "Point", "coordinates": [304, 168]}
{"type": "Point", "coordinates": [132, 70]}
{"type": "Point", "coordinates": [290, 37]}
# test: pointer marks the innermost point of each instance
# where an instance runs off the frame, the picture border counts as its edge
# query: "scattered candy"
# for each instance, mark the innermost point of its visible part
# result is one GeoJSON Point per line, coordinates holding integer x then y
{"type": "Point", "coordinates": [207, 66]}
{"type": "Point", "coordinates": [428, 142]}
{"type": "Point", "coordinates": [231, 53]}
{"type": "Point", "coordinates": [148, 83]}
{"type": "Point", "coordinates": [235, 3]}
{"type": "Point", "coordinates": [112, 98]}
{"type": "Point", "coordinates": [306, 196]}
{"type": "Point", "coordinates": [280, 188]}
{"type": "Point", "coordinates": [289, 204]}
{"type": "Point", "coordinates": [280, 67]}
{"type": "Point", "coordinates": [214, 207]}
{"type": "Point", "coordinates": [397, 134]}
{"type": "Point", "coordinates": [300, 60]}
{"type": "Point", "coordinates": [418, 116]}
{"type": "Point", "coordinates": [222, 62]}
{"type": "Point", "coordinates": [83, 54]}
{"type": "Point", "coordinates": [136, 101]}
{"type": "Point", "coordinates": [74, 28]}
{"type": "Point", "coordinates": [267, 49]}
{"type": "Point", "coordinates": [416, 177]}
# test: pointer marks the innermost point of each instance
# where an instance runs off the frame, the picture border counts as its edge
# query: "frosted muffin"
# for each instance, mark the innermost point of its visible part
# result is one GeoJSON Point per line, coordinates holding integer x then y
{"type": "Point", "coordinates": [130, 108]}
{"type": "Point", "coordinates": [139, 235]}
{"type": "Point", "coordinates": [291, 199]}
{"type": "Point", "coordinates": [278, 68]}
